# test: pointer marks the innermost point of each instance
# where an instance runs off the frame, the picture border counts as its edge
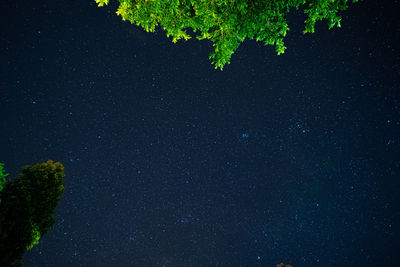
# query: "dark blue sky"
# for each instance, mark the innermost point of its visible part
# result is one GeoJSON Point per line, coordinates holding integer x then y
{"type": "Point", "coordinates": [291, 158]}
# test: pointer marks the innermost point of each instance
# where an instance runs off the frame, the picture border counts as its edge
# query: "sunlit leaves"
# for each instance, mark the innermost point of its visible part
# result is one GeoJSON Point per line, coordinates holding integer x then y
{"type": "Point", "coordinates": [227, 23]}
{"type": "Point", "coordinates": [102, 2]}
{"type": "Point", "coordinates": [35, 237]}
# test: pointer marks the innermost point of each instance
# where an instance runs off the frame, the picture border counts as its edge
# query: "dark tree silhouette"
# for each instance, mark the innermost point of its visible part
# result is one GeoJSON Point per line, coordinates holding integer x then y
{"type": "Point", "coordinates": [27, 209]}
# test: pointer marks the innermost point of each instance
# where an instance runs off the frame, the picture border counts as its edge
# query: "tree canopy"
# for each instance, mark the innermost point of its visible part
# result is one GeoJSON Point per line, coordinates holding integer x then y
{"type": "Point", "coordinates": [3, 176]}
{"type": "Point", "coordinates": [227, 23]}
{"type": "Point", "coordinates": [27, 208]}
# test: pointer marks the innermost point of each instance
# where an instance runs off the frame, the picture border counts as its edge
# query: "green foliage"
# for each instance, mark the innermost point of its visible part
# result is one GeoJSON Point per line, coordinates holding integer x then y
{"type": "Point", "coordinates": [35, 237]}
{"type": "Point", "coordinates": [27, 208]}
{"type": "Point", "coordinates": [3, 176]}
{"type": "Point", "coordinates": [227, 23]}
{"type": "Point", "coordinates": [102, 2]}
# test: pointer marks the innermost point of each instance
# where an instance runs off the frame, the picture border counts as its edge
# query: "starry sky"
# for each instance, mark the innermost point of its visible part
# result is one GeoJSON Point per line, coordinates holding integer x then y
{"type": "Point", "coordinates": [291, 158]}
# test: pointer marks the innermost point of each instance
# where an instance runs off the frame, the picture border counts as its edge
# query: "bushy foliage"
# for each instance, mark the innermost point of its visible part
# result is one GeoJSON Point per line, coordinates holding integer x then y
{"type": "Point", "coordinates": [27, 208]}
{"type": "Point", "coordinates": [227, 23]}
{"type": "Point", "coordinates": [3, 176]}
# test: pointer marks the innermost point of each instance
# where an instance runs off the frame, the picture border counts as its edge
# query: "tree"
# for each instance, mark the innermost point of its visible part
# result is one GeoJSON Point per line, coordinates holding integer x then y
{"type": "Point", "coordinates": [27, 208]}
{"type": "Point", "coordinates": [227, 23]}
{"type": "Point", "coordinates": [3, 176]}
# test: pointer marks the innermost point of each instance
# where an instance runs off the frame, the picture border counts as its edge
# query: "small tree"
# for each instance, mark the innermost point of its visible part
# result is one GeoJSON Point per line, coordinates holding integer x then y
{"type": "Point", "coordinates": [27, 208]}
{"type": "Point", "coordinates": [227, 23]}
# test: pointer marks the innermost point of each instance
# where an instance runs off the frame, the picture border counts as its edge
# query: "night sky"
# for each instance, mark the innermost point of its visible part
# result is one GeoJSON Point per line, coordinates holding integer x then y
{"type": "Point", "coordinates": [292, 158]}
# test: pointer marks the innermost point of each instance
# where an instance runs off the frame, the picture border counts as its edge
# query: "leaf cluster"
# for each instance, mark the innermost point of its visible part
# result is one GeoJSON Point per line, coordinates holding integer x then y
{"type": "Point", "coordinates": [27, 208]}
{"type": "Point", "coordinates": [3, 176]}
{"type": "Point", "coordinates": [227, 23]}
